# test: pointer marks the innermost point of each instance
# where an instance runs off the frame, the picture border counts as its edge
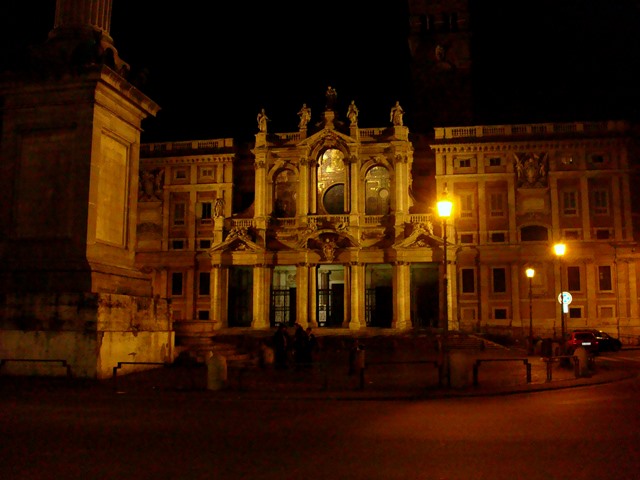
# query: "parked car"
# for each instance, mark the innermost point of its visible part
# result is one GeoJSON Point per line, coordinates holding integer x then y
{"type": "Point", "coordinates": [582, 338]}
{"type": "Point", "coordinates": [606, 343]}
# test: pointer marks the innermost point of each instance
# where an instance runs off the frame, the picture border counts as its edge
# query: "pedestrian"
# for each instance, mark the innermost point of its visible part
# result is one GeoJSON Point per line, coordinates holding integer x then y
{"type": "Point", "coordinates": [354, 354]}
{"type": "Point", "coordinates": [281, 346]}
{"type": "Point", "coordinates": [300, 345]}
{"type": "Point", "coordinates": [312, 345]}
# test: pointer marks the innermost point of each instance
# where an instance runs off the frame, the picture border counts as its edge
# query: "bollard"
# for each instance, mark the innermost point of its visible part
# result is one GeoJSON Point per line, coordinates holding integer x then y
{"type": "Point", "coordinates": [582, 363]}
{"type": "Point", "coordinates": [216, 371]}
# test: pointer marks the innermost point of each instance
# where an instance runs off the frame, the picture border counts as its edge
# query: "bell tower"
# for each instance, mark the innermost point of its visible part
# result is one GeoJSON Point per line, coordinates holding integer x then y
{"type": "Point", "coordinates": [440, 50]}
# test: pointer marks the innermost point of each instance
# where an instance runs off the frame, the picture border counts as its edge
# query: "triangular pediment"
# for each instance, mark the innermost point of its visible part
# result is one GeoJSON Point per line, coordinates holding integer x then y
{"type": "Point", "coordinates": [326, 137]}
{"type": "Point", "coordinates": [237, 239]}
{"type": "Point", "coordinates": [421, 236]}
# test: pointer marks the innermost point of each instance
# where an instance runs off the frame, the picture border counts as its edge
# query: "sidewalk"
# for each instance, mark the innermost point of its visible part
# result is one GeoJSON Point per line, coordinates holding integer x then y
{"type": "Point", "coordinates": [398, 373]}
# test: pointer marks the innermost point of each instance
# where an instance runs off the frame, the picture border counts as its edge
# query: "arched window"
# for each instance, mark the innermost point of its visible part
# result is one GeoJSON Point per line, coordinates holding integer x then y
{"type": "Point", "coordinates": [534, 233]}
{"type": "Point", "coordinates": [285, 187]}
{"type": "Point", "coordinates": [377, 187]}
{"type": "Point", "coordinates": [331, 181]}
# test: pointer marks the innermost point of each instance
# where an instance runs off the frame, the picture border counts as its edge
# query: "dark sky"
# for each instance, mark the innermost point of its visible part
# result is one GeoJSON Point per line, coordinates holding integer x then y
{"type": "Point", "coordinates": [211, 70]}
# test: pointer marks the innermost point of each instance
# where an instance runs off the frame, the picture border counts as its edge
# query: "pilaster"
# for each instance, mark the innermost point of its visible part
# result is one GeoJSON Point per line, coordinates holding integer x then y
{"type": "Point", "coordinates": [401, 296]}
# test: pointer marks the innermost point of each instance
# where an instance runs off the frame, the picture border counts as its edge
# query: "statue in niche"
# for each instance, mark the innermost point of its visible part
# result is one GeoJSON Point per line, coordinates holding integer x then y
{"type": "Point", "coordinates": [531, 169]}
{"type": "Point", "coordinates": [218, 208]}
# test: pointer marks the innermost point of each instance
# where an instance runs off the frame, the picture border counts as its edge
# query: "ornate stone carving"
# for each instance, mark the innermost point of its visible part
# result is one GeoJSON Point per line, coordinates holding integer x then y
{"type": "Point", "coordinates": [329, 248]}
{"type": "Point", "coordinates": [151, 185]}
{"type": "Point", "coordinates": [531, 169]}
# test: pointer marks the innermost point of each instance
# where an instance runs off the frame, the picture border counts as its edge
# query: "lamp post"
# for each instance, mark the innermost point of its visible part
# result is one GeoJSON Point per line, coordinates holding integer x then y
{"type": "Point", "coordinates": [444, 211]}
{"type": "Point", "coordinates": [560, 249]}
{"type": "Point", "coordinates": [530, 273]}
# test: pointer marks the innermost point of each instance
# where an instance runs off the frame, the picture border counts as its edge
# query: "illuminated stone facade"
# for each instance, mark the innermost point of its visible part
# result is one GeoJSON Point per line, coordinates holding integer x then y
{"type": "Point", "coordinates": [330, 240]}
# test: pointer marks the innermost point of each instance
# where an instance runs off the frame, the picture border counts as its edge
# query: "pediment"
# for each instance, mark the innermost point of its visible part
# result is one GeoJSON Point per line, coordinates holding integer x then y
{"type": "Point", "coordinates": [238, 239]}
{"type": "Point", "coordinates": [421, 236]}
{"type": "Point", "coordinates": [326, 137]}
{"type": "Point", "coordinates": [328, 243]}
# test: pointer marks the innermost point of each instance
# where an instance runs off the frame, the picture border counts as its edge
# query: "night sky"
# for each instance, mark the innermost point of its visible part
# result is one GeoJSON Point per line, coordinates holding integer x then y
{"type": "Point", "coordinates": [212, 70]}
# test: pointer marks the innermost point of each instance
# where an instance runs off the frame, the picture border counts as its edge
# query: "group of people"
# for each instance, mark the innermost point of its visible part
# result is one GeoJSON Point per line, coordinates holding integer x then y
{"type": "Point", "coordinates": [302, 346]}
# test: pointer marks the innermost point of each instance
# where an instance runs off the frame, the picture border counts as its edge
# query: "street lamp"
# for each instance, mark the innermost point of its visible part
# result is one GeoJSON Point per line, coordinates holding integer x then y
{"type": "Point", "coordinates": [530, 273]}
{"type": "Point", "coordinates": [560, 249]}
{"type": "Point", "coordinates": [444, 211]}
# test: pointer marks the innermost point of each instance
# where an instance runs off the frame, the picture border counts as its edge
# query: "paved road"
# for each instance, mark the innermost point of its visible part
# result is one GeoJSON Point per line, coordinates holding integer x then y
{"type": "Point", "coordinates": [578, 433]}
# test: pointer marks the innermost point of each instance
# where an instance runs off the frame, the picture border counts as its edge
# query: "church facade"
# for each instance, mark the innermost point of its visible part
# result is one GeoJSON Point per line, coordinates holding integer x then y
{"type": "Point", "coordinates": [330, 239]}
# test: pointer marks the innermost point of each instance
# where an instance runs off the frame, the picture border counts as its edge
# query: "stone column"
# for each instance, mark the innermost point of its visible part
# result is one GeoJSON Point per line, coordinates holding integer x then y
{"type": "Point", "coordinates": [312, 295]}
{"type": "Point", "coordinates": [401, 296]}
{"type": "Point", "coordinates": [261, 297]}
{"type": "Point", "coordinates": [83, 13]}
{"type": "Point", "coordinates": [357, 291]}
{"type": "Point", "coordinates": [303, 291]}
{"type": "Point", "coordinates": [218, 292]}
{"type": "Point", "coordinates": [303, 188]}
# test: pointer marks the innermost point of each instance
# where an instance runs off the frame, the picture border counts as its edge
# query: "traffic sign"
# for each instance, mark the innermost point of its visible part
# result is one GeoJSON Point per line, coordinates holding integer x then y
{"type": "Point", "coordinates": [566, 296]}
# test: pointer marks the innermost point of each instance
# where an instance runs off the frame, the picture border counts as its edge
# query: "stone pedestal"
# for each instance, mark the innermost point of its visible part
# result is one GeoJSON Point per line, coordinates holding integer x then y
{"type": "Point", "coordinates": [216, 372]}
{"type": "Point", "coordinates": [69, 288]}
{"type": "Point", "coordinates": [460, 369]}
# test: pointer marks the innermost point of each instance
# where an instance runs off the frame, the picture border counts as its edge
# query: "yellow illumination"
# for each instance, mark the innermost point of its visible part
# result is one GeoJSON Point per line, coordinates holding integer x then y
{"type": "Point", "coordinates": [444, 208]}
{"type": "Point", "coordinates": [530, 272]}
{"type": "Point", "coordinates": [560, 249]}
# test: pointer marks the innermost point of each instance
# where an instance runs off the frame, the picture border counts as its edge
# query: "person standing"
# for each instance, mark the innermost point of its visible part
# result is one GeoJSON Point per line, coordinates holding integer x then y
{"type": "Point", "coordinates": [280, 346]}
{"type": "Point", "coordinates": [300, 345]}
{"type": "Point", "coordinates": [312, 345]}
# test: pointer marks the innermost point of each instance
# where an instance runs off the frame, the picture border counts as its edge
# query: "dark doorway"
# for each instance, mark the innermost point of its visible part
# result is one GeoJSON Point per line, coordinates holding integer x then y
{"type": "Point", "coordinates": [425, 295]}
{"type": "Point", "coordinates": [337, 304]}
{"type": "Point", "coordinates": [383, 313]}
{"type": "Point", "coordinates": [240, 310]}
